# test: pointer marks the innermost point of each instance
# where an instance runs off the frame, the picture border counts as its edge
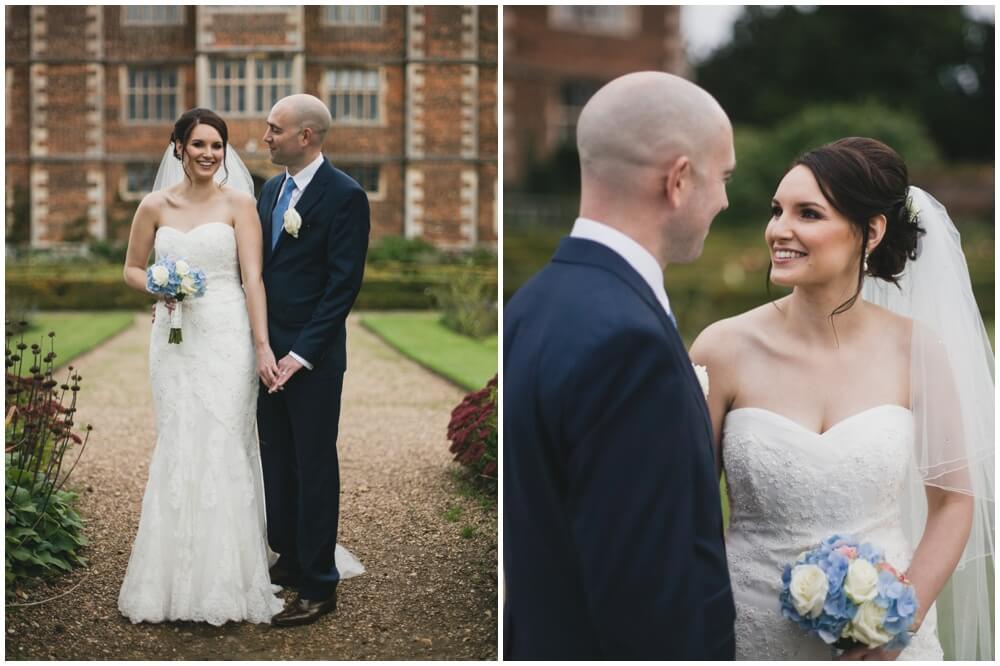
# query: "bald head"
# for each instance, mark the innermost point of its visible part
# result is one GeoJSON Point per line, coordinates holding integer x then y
{"type": "Point", "coordinates": [307, 111]}
{"type": "Point", "coordinates": [645, 120]}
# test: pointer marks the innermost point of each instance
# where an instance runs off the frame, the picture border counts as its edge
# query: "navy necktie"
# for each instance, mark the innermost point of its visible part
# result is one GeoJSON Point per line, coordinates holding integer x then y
{"type": "Point", "coordinates": [278, 216]}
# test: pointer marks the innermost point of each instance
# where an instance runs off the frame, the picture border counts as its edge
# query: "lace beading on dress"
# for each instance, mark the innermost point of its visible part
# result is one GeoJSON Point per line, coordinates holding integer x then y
{"type": "Point", "coordinates": [789, 489]}
{"type": "Point", "coordinates": [200, 553]}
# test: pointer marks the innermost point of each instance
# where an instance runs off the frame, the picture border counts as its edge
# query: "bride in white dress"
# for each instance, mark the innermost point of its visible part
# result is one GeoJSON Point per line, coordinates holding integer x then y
{"type": "Point", "coordinates": [835, 415]}
{"type": "Point", "coordinates": [200, 553]}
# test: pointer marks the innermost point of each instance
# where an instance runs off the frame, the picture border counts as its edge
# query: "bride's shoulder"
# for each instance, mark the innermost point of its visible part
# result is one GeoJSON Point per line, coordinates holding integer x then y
{"type": "Point", "coordinates": [152, 205]}
{"type": "Point", "coordinates": [887, 320]}
{"type": "Point", "coordinates": [238, 198]}
{"type": "Point", "coordinates": [723, 342]}
{"type": "Point", "coordinates": [734, 334]}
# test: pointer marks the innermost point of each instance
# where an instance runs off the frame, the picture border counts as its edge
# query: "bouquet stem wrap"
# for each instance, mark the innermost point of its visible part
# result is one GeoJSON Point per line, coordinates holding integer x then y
{"type": "Point", "coordinates": [176, 319]}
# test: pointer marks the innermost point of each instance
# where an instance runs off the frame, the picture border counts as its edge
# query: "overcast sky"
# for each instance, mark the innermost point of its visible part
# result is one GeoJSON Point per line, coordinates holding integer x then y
{"type": "Point", "coordinates": [707, 27]}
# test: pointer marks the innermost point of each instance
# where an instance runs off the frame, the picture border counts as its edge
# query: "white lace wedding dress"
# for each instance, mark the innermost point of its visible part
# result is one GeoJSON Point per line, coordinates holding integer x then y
{"type": "Point", "coordinates": [200, 553]}
{"type": "Point", "coordinates": [790, 488]}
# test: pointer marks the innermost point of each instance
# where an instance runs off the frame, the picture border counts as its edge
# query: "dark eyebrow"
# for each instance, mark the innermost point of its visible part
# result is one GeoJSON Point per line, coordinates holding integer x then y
{"type": "Point", "coordinates": [273, 126]}
{"type": "Point", "coordinates": [802, 204]}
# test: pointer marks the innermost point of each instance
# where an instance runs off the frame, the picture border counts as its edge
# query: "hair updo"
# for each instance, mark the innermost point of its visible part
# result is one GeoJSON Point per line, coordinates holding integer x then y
{"type": "Point", "coordinates": [185, 126]}
{"type": "Point", "coordinates": [863, 178]}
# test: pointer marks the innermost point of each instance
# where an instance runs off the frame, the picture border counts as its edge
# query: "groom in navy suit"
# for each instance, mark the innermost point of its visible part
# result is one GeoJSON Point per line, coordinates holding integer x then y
{"type": "Point", "coordinates": [613, 544]}
{"type": "Point", "coordinates": [315, 223]}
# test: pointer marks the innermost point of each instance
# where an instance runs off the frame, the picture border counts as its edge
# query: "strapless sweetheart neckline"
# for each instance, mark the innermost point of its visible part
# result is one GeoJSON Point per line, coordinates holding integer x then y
{"type": "Point", "coordinates": [836, 425]}
{"type": "Point", "coordinates": [789, 488]}
{"type": "Point", "coordinates": [194, 228]}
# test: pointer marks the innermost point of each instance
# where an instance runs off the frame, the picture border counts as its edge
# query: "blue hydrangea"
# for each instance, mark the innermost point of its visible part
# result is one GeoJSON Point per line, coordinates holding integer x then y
{"type": "Point", "coordinates": [172, 288]}
{"type": "Point", "coordinates": [898, 598]}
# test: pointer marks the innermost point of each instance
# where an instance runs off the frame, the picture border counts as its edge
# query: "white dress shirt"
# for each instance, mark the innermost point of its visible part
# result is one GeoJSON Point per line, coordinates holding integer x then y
{"type": "Point", "coordinates": [302, 180]}
{"type": "Point", "coordinates": [638, 257]}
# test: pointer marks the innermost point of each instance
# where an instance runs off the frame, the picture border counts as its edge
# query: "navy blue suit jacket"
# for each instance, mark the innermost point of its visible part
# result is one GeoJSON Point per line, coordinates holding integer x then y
{"type": "Point", "coordinates": [313, 280]}
{"type": "Point", "coordinates": [613, 542]}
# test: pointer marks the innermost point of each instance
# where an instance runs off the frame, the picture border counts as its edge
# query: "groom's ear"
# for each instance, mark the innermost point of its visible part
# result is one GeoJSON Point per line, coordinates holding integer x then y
{"type": "Point", "coordinates": [678, 181]}
{"type": "Point", "coordinates": [876, 232]}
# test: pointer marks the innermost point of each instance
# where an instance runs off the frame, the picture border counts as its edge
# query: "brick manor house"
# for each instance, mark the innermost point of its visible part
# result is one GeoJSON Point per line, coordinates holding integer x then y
{"type": "Point", "coordinates": [92, 93]}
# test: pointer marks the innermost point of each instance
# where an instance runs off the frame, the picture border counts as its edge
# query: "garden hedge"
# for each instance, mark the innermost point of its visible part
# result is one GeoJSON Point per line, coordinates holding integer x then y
{"type": "Point", "coordinates": [100, 287]}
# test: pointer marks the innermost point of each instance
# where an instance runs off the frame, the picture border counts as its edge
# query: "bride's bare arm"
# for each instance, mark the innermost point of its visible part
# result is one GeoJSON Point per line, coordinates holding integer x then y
{"type": "Point", "coordinates": [949, 520]}
{"type": "Point", "coordinates": [250, 250]}
{"type": "Point", "coordinates": [140, 243]}
{"type": "Point", "coordinates": [711, 349]}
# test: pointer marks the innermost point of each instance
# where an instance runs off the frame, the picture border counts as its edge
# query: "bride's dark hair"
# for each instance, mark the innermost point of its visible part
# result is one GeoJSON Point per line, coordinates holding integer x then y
{"type": "Point", "coordinates": [863, 178]}
{"type": "Point", "coordinates": [185, 126]}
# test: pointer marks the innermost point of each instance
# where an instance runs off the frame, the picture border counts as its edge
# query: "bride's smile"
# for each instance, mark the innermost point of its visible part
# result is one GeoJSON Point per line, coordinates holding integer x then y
{"type": "Point", "coordinates": [811, 243]}
{"type": "Point", "coordinates": [205, 151]}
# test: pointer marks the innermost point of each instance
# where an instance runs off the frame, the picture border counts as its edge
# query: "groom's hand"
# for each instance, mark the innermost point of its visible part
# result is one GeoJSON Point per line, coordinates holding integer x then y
{"type": "Point", "coordinates": [862, 653]}
{"type": "Point", "coordinates": [287, 367]}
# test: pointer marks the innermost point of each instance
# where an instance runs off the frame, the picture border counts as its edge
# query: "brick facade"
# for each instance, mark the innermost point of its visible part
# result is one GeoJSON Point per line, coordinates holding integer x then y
{"type": "Point", "coordinates": [555, 57]}
{"type": "Point", "coordinates": [92, 92]}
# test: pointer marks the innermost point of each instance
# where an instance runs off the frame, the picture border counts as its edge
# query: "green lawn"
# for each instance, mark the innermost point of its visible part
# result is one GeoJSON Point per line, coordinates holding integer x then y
{"type": "Point", "coordinates": [76, 332]}
{"type": "Point", "coordinates": [421, 337]}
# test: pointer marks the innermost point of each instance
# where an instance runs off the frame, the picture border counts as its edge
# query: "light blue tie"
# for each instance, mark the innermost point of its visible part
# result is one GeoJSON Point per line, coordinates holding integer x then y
{"type": "Point", "coordinates": [278, 216]}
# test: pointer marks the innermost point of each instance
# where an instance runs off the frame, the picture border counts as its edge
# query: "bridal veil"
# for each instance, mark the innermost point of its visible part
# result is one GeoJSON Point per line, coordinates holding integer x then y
{"type": "Point", "coordinates": [952, 398]}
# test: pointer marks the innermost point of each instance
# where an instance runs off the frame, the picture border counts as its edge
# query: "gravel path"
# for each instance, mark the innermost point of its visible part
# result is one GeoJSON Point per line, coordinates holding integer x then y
{"type": "Point", "coordinates": [431, 551]}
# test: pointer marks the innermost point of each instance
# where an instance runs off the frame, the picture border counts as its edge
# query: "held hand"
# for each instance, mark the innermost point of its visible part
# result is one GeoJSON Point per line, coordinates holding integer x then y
{"type": "Point", "coordinates": [267, 367]}
{"type": "Point", "coordinates": [287, 367]}
{"type": "Point", "coordinates": [171, 303]}
{"type": "Point", "coordinates": [862, 653]}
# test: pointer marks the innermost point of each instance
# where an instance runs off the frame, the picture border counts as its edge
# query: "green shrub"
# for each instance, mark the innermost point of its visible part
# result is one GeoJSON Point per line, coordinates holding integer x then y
{"type": "Point", "coordinates": [468, 304]}
{"type": "Point", "coordinates": [386, 286]}
{"type": "Point", "coordinates": [404, 250]}
{"type": "Point", "coordinates": [108, 251]}
{"type": "Point", "coordinates": [763, 156]}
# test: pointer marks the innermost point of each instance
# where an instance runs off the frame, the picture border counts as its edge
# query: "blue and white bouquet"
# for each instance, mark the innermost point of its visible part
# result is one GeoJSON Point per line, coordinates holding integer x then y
{"type": "Point", "coordinates": [175, 278]}
{"type": "Point", "coordinates": [847, 594]}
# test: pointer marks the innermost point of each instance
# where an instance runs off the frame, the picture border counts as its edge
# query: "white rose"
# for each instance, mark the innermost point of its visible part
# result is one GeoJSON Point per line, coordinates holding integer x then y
{"type": "Point", "coordinates": [188, 286]}
{"type": "Point", "coordinates": [292, 222]}
{"type": "Point", "coordinates": [701, 372]}
{"type": "Point", "coordinates": [866, 627]}
{"type": "Point", "coordinates": [808, 588]}
{"type": "Point", "coordinates": [161, 276]}
{"type": "Point", "coordinates": [182, 267]}
{"type": "Point", "coordinates": [861, 583]}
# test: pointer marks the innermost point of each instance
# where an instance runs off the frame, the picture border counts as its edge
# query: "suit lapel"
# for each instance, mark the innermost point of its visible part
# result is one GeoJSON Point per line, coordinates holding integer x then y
{"type": "Point", "coordinates": [581, 251]}
{"type": "Point", "coordinates": [310, 197]}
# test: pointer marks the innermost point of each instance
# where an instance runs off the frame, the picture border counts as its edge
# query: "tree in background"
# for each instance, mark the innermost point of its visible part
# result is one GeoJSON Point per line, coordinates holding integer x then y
{"type": "Point", "coordinates": [934, 62]}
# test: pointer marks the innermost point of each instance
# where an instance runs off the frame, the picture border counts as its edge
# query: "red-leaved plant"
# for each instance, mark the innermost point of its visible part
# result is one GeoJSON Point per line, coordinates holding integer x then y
{"type": "Point", "coordinates": [473, 431]}
{"type": "Point", "coordinates": [38, 422]}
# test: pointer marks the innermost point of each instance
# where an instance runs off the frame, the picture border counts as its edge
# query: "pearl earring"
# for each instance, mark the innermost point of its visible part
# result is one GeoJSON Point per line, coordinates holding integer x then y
{"type": "Point", "coordinates": [865, 263]}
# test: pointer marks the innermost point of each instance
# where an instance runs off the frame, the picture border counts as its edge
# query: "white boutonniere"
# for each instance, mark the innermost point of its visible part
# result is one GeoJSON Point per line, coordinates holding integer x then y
{"type": "Point", "coordinates": [292, 222]}
{"type": "Point", "coordinates": [701, 372]}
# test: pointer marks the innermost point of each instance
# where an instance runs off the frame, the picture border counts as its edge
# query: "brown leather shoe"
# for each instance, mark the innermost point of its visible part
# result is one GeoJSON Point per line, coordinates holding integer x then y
{"type": "Point", "coordinates": [304, 611]}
